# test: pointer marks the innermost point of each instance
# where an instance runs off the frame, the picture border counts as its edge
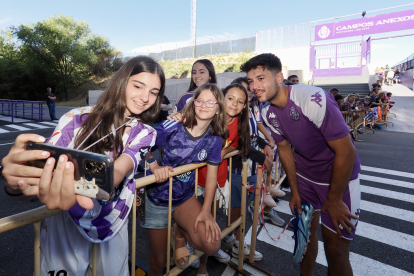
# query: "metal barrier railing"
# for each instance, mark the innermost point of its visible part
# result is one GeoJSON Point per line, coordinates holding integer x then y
{"type": "Point", "coordinates": [32, 110]}
{"type": "Point", "coordinates": [35, 217]}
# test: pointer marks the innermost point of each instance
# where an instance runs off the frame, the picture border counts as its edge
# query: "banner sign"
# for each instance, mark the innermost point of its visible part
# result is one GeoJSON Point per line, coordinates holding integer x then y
{"type": "Point", "coordinates": [382, 23]}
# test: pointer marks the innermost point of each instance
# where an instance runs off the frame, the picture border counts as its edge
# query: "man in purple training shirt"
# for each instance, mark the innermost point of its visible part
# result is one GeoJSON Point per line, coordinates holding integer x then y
{"type": "Point", "coordinates": [324, 168]}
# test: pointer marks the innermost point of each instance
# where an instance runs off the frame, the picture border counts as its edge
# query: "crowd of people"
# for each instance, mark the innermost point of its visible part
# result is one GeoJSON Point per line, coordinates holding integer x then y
{"type": "Point", "coordinates": [387, 75]}
{"type": "Point", "coordinates": [373, 107]}
{"type": "Point", "coordinates": [258, 115]}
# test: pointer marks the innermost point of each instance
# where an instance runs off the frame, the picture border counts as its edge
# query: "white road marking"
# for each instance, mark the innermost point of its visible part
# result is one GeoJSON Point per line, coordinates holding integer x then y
{"type": "Point", "coordinates": [228, 271]}
{"type": "Point", "coordinates": [387, 193]}
{"type": "Point", "coordinates": [388, 211]}
{"type": "Point", "coordinates": [3, 130]}
{"type": "Point", "coordinates": [361, 265]}
{"type": "Point", "coordinates": [6, 144]}
{"type": "Point", "coordinates": [385, 171]}
{"type": "Point", "coordinates": [37, 125]}
{"type": "Point", "coordinates": [49, 123]}
{"type": "Point", "coordinates": [388, 181]}
{"type": "Point", "coordinates": [18, 127]}
{"type": "Point", "coordinates": [370, 231]}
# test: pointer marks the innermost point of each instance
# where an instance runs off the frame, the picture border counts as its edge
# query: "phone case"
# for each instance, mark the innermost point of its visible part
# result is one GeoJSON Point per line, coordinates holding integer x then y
{"type": "Point", "coordinates": [94, 173]}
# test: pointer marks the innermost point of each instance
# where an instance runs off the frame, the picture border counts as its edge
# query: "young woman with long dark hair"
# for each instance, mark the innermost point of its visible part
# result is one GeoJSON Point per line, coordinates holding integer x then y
{"type": "Point", "coordinates": [196, 139]}
{"type": "Point", "coordinates": [132, 99]}
{"type": "Point", "coordinates": [202, 72]}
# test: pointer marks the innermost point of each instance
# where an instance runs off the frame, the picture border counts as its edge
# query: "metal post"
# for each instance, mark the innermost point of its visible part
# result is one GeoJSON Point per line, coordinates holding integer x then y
{"type": "Point", "coordinates": [257, 193]}
{"type": "Point", "coordinates": [134, 233]}
{"type": "Point", "coordinates": [176, 51]}
{"type": "Point", "coordinates": [211, 46]}
{"type": "Point", "coordinates": [243, 215]}
{"type": "Point", "coordinates": [36, 226]}
{"type": "Point", "coordinates": [94, 256]}
{"type": "Point", "coordinates": [231, 47]}
{"type": "Point", "coordinates": [169, 225]}
{"type": "Point", "coordinates": [229, 209]}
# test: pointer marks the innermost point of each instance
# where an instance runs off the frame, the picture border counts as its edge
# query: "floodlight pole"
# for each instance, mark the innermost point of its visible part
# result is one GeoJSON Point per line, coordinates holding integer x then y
{"type": "Point", "coordinates": [193, 25]}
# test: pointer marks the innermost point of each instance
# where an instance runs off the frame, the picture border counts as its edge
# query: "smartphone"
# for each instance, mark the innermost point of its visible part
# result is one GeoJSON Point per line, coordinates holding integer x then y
{"type": "Point", "coordinates": [94, 173]}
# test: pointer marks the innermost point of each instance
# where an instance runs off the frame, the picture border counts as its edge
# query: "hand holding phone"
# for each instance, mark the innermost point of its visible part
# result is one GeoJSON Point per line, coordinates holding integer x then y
{"type": "Point", "coordinates": [93, 173]}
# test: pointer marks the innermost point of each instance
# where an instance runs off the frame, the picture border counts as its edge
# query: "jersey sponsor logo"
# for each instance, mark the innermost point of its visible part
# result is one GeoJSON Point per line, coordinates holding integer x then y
{"type": "Point", "coordinates": [184, 177]}
{"type": "Point", "coordinates": [294, 114]}
{"type": "Point", "coordinates": [202, 155]}
{"type": "Point", "coordinates": [317, 98]}
{"type": "Point", "coordinates": [272, 115]}
{"type": "Point", "coordinates": [274, 123]}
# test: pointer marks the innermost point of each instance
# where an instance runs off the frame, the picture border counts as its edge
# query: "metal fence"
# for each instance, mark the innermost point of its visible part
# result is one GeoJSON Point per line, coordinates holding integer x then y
{"type": "Point", "coordinates": [298, 35]}
{"type": "Point", "coordinates": [14, 110]}
{"type": "Point", "coordinates": [337, 55]}
{"type": "Point", "coordinates": [208, 49]}
{"type": "Point", "coordinates": [405, 64]}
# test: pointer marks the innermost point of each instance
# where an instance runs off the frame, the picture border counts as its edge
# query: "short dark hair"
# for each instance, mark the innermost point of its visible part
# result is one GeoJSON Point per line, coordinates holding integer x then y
{"type": "Point", "coordinates": [338, 97]}
{"type": "Point", "coordinates": [287, 82]}
{"type": "Point", "coordinates": [292, 76]}
{"type": "Point", "coordinates": [389, 94]}
{"type": "Point", "coordinates": [333, 89]}
{"type": "Point", "coordinates": [266, 61]}
{"type": "Point", "coordinates": [240, 80]}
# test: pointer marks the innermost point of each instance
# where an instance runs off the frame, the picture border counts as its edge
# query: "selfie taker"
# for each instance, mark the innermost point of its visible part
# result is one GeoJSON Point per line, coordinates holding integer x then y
{"type": "Point", "coordinates": [132, 99]}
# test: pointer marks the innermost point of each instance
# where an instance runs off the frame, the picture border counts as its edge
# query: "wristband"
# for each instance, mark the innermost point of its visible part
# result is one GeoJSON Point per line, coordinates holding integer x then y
{"type": "Point", "coordinates": [9, 194]}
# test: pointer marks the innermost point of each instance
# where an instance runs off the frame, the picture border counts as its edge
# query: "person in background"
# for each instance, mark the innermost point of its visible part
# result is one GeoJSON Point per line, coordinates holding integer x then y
{"type": "Point", "coordinates": [165, 107]}
{"type": "Point", "coordinates": [397, 76]}
{"type": "Point", "coordinates": [334, 91]}
{"type": "Point", "coordinates": [202, 72]}
{"type": "Point", "coordinates": [388, 96]}
{"type": "Point", "coordinates": [390, 76]}
{"type": "Point", "coordinates": [50, 101]}
{"type": "Point", "coordinates": [293, 79]}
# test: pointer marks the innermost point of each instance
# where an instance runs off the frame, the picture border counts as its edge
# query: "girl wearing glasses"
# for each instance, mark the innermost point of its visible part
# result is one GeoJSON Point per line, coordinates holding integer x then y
{"type": "Point", "coordinates": [202, 72]}
{"type": "Point", "coordinates": [197, 139]}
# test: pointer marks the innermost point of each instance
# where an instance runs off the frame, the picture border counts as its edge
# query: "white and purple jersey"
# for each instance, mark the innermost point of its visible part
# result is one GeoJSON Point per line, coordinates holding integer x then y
{"type": "Point", "coordinates": [179, 147]}
{"type": "Point", "coordinates": [310, 118]}
{"type": "Point", "coordinates": [105, 219]}
{"type": "Point", "coordinates": [182, 101]}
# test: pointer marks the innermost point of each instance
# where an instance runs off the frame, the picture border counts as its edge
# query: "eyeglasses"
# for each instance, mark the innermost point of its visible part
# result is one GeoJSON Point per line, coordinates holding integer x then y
{"type": "Point", "coordinates": [209, 103]}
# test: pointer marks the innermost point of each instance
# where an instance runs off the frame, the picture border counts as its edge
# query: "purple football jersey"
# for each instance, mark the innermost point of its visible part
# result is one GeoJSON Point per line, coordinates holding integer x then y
{"type": "Point", "coordinates": [179, 147]}
{"type": "Point", "coordinates": [310, 118]}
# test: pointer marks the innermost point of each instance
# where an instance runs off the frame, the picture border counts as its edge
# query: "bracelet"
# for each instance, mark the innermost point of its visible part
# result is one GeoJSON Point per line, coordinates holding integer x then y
{"type": "Point", "coordinates": [9, 194]}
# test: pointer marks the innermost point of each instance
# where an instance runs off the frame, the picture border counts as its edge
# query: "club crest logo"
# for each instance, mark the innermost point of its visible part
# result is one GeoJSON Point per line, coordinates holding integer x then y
{"type": "Point", "coordinates": [294, 114]}
{"type": "Point", "coordinates": [324, 32]}
{"type": "Point", "coordinates": [202, 155]}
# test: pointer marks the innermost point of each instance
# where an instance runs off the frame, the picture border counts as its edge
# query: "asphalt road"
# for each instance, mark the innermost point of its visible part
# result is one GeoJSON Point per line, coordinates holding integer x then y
{"type": "Point", "coordinates": [384, 244]}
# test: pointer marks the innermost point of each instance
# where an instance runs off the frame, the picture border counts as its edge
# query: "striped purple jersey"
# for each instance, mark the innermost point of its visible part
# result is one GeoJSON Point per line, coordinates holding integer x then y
{"type": "Point", "coordinates": [178, 147]}
{"type": "Point", "coordinates": [105, 219]}
{"type": "Point", "coordinates": [310, 118]}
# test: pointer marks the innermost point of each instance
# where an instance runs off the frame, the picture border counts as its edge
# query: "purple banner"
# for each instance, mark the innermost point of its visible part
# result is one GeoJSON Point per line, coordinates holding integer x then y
{"type": "Point", "coordinates": [382, 23]}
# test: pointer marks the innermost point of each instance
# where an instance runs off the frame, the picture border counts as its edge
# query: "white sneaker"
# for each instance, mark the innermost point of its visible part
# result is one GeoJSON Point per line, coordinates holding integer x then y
{"type": "Point", "coordinates": [229, 239]}
{"type": "Point", "coordinates": [276, 191]}
{"type": "Point", "coordinates": [246, 251]}
{"type": "Point", "coordinates": [222, 256]}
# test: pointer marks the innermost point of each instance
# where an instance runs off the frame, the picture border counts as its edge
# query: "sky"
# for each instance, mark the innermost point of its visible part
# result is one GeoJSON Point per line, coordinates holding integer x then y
{"type": "Point", "coordinates": [138, 26]}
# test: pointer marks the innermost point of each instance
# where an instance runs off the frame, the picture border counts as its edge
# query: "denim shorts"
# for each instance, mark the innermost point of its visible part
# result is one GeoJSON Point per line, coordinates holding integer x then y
{"type": "Point", "coordinates": [156, 217]}
{"type": "Point", "coordinates": [236, 186]}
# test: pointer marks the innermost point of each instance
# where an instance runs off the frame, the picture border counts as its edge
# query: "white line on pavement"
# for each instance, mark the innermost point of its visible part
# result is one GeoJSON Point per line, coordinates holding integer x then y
{"type": "Point", "coordinates": [228, 271]}
{"type": "Point", "coordinates": [388, 181]}
{"type": "Point", "coordinates": [6, 144]}
{"type": "Point", "coordinates": [370, 231]}
{"type": "Point", "coordinates": [3, 130]}
{"type": "Point", "coordinates": [385, 171]}
{"type": "Point", "coordinates": [18, 127]}
{"type": "Point", "coordinates": [49, 123]}
{"type": "Point", "coordinates": [37, 125]}
{"type": "Point", "coordinates": [387, 211]}
{"type": "Point", "coordinates": [387, 193]}
{"type": "Point", "coordinates": [361, 265]}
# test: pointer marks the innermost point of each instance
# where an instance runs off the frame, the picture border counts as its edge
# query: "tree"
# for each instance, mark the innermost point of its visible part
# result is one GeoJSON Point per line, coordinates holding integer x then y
{"type": "Point", "coordinates": [64, 48]}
